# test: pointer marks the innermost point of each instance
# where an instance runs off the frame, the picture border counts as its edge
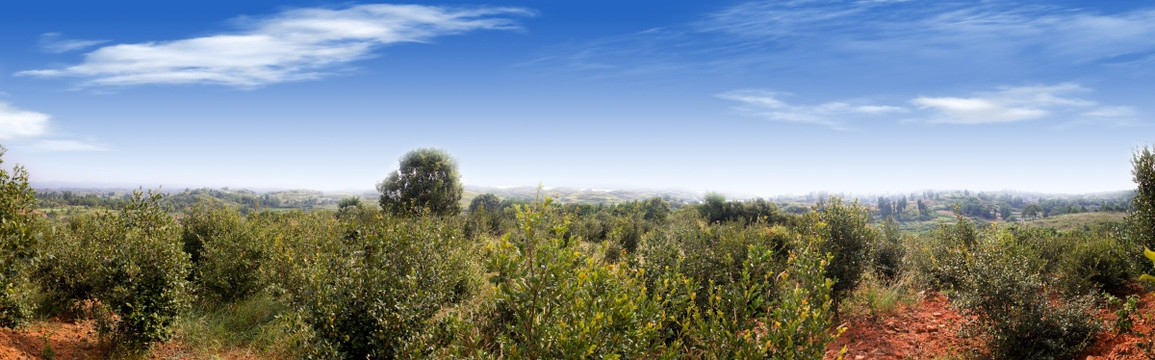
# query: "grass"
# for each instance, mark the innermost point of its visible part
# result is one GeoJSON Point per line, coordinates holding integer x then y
{"type": "Point", "coordinates": [255, 325]}
{"type": "Point", "coordinates": [875, 297]}
{"type": "Point", "coordinates": [1068, 222]}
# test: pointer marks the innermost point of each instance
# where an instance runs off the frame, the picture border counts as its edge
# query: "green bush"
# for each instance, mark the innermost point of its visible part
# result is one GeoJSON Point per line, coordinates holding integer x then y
{"type": "Point", "coordinates": [1095, 263]}
{"type": "Point", "coordinates": [938, 259]}
{"type": "Point", "coordinates": [627, 232]}
{"type": "Point", "coordinates": [20, 238]}
{"type": "Point", "coordinates": [843, 227]}
{"type": "Point", "coordinates": [225, 251]}
{"type": "Point", "coordinates": [372, 291]}
{"type": "Point", "coordinates": [1003, 289]}
{"type": "Point", "coordinates": [553, 301]}
{"type": "Point", "coordinates": [713, 253]}
{"type": "Point", "coordinates": [887, 253]}
{"type": "Point", "coordinates": [130, 262]}
{"type": "Point", "coordinates": [778, 315]}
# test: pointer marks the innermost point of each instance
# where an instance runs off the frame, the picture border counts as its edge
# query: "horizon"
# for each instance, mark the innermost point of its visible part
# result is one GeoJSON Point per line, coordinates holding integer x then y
{"type": "Point", "coordinates": [766, 98]}
{"type": "Point", "coordinates": [481, 189]}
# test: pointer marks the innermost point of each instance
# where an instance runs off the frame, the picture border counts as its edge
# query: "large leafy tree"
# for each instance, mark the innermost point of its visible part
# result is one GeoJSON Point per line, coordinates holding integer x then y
{"type": "Point", "coordinates": [486, 202]}
{"type": "Point", "coordinates": [426, 181]}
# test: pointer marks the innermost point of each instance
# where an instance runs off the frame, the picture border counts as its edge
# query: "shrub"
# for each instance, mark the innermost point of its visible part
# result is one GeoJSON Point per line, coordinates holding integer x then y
{"type": "Point", "coordinates": [554, 301]}
{"type": "Point", "coordinates": [19, 239]}
{"type": "Point", "coordinates": [1095, 263]}
{"type": "Point", "coordinates": [130, 262]}
{"type": "Point", "coordinates": [370, 292]}
{"type": "Point", "coordinates": [778, 315]}
{"type": "Point", "coordinates": [1141, 218]}
{"type": "Point", "coordinates": [1003, 289]}
{"type": "Point", "coordinates": [627, 232]}
{"type": "Point", "coordinates": [887, 253]}
{"type": "Point", "coordinates": [938, 259]}
{"type": "Point", "coordinates": [713, 254]}
{"type": "Point", "coordinates": [226, 253]}
{"type": "Point", "coordinates": [843, 227]}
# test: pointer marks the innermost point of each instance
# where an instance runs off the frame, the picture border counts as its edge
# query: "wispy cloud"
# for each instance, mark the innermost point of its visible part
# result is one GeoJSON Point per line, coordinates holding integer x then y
{"type": "Point", "coordinates": [55, 42]}
{"type": "Point", "coordinates": [293, 45]}
{"type": "Point", "coordinates": [67, 146]}
{"type": "Point", "coordinates": [1059, 104]}
{"type": "Point", "coordinates": [16, 123]}
{"type": "Point", "coordinates": [1008, 104]}
{"type": "Point", "coordinates": [768, 105]}
{"type": "Point", "coordinates": [876, 35]}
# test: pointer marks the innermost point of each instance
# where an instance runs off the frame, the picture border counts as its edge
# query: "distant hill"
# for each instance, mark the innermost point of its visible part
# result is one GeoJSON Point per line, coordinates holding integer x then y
{"type": "Point", "coordinates": [583, 196]}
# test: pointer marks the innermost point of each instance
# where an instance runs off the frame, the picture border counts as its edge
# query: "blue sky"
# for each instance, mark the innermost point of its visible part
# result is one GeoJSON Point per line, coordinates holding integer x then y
{"type": "Point", "coordinates": [759, 98]}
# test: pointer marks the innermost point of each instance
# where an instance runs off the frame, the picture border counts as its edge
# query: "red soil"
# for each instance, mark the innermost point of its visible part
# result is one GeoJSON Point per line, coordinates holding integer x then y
{"type": "Point", "coordinates": [67, 341]}
{"type": "Point", "coordinates": [923, 331]}
{"type": "Point", "coordinates": [1130, 345]}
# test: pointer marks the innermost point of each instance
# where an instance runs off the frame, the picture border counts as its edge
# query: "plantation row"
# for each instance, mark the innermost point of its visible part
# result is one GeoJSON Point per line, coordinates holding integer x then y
{"type": "Point", "coordinates": [719, 280]}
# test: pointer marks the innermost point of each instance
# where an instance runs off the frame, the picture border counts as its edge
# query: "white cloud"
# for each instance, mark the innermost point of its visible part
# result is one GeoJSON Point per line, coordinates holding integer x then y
{"type": "Point", "coordinates": [292, 45]}
{"type": "Point", "coordinates": [768, 105]}
{"type": "Point", "coordinates": [1117, 112]}
{"type": "Point", "coordinates": [56, 43]}
{"type": "Point", "coordinates": [1056, 103]}
{"type": "Point", "coordinates": [66, 146]}
{"type": "Point", "coordinates": [1008, 104]}
{"type": "Point", "coordinates": [16, 123]}
{"type": "Point", "coordinates": [22, 125]}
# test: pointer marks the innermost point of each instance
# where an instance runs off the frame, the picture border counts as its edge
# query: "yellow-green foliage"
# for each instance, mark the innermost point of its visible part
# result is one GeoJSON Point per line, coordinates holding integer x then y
{"type": "Point", "coordinates": [225, 252]}
{"type": "Point", "coordinates": [130, 262]}
{"type": "Point", "coordinates": [19, 244]}
{"type": "Point", "coordinates": [733, 292]}
{"type": "Point", "coordinates": [1150, 256]}
{"type": "Point", "coordinates": [374, 288]}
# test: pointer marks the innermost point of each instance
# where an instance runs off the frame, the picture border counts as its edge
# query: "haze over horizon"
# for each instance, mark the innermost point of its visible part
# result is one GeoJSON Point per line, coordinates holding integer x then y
{"type": "Point", "coordinates": [755, 97]}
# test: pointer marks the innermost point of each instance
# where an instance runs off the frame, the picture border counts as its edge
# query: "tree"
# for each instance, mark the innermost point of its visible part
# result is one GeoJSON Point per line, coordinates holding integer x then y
{"type": "Point", "coordinates": [427, 180]}
{"type": "Point", "coordinates": [486, 202]}
{"type": "Point", "coordinates": [714, 208]}
{"type": "Point", "coordinates": [923, 210]}
{"type": "Point", "coordinates": [1142, 216]}
{"type": "Point", "coordinates": [656, 209]}
{"type": "Point", "coordinates": [1031, 210]}
{"type": "Point", "coordinates": [885, 208]}
{"type": "Point", "coordinates": [351, 202]}
{"type": "Point", "coordinates": [900, 208]}
{"type": "Point", "coordinates": [1005, 212]}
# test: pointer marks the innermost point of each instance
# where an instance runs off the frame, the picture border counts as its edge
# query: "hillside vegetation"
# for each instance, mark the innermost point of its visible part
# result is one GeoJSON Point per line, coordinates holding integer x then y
{"type": "Point", "coordinates": [208, 272]}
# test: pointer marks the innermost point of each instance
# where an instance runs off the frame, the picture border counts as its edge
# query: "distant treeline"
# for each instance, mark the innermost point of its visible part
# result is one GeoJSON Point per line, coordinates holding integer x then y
{"type": "Point", "coordinates": [998, 206]}
{"type": "Point", "coordinates": [244, 200]}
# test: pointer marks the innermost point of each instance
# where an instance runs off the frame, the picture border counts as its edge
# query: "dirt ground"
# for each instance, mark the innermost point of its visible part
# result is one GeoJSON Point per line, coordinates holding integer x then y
{"type": "Point", "coordinates": [1136, 344]}
{"type": "Point", "coordinates": [929, 330]}
{"type": "Point", "coordinates": [925, 330]}
{"type": "Point", "coordinates": [63, 340]}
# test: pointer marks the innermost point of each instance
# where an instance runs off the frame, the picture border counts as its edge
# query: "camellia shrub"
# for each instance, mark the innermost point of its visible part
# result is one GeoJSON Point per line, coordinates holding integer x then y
{"type": "Point", "coordinates": [226, 253]}
{"type": "Point", "coordinates": [846, 236]}
{"type": "Point", "coordinates": [373, 291]}
{"type": "Point", "coordinates": [20, 238]}
{"type": "Point", "coordinates": [130, 263]}
{"type": "Point", "coordinates": [1003, 288]}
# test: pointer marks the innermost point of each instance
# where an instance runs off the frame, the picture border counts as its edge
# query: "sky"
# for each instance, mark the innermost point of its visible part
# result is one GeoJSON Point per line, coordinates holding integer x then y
{"type": "Point", "coordinates": [752, 97]}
